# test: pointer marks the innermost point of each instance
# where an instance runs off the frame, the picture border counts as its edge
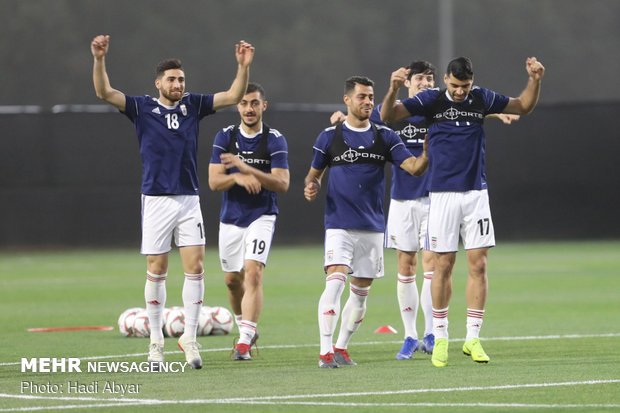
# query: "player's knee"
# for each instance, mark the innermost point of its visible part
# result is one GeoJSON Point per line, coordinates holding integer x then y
{"type": "Point", "coordinates": [233, 280]}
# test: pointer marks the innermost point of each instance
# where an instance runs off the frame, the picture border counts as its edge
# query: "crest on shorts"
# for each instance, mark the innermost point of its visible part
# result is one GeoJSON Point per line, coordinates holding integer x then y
{"type": "Point", "coordinates": [329, 255]}
{"type": "Point", "coordinates": [433, 242]}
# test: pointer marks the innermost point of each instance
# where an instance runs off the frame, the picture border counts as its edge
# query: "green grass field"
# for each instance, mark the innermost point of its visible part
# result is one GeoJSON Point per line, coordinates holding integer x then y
{"type": "Point", "coordinates": [551, 328]}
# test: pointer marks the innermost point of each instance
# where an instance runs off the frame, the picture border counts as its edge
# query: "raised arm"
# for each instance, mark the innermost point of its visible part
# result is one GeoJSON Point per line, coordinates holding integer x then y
{"type": "Point", "coordinates": [527, 100]}
{"type": "Point", "coordinates": [312, 183]}
{"type": "Point", "coordinates": [244, 52]}
{"type": "Point", "coordinates": [417, 165]}
{"type": "Point", "coordinates": [391, 110]}
{"type": "Point", "coordinates": [99, 48]}
{"type": "Point", "coordinates": [277, 180]}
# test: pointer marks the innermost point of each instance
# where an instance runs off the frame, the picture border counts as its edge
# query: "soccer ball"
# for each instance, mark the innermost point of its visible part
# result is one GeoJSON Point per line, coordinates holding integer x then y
{"type": "Point", "coordinates": [125, 321]}
{"type": "Point", "coordinates": [222, 321]}
{"type": "Point", "coordinates": [205, 322]}
{"type": "Point", "coordinates": [175, 323]}
{"type": "Point", "coordinates": [141, 326]}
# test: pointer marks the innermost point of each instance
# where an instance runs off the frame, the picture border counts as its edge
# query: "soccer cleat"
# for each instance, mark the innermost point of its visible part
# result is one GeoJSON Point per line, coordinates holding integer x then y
{"type": "Point", "coordinates": [342, 358]}
{"type": "Point", "coordinates": [440, 353]}
{"type": "Point", "coordinates": [474, 349]}
{"type": "Point", "coordinates": [242, 352]}
{"type": "Point", "coordinates": [192, 354]}
{"type": "Point", "coordinates": [327, 361]}
{"type": "Point", "coordinates": [428, 343]}
{"type": "Point", "coordinates": [409, 347]}
{"type": "Point", "coordinates": [156, 352]}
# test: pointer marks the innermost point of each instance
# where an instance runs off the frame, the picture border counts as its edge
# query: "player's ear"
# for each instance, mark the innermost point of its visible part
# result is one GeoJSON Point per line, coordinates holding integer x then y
{"type": "Point", "coordinates": [265, 104]}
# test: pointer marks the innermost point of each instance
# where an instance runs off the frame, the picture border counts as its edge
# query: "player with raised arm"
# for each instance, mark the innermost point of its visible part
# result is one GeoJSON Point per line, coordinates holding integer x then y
{"type": "Point", "coordinates": [459, 202]}
{"type": "Point", "coordinates": [355, 152]}
{"type": "Point", "coordinates": [249, 164]}
{"type": "Point", "coordinates": [167, 128]}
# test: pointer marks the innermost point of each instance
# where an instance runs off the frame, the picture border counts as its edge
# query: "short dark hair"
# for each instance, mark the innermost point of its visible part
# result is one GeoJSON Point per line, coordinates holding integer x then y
{"type": "Point", "coordinates": [350, 83]}
{"type": "Point", "coordinates": [461, 68]}
{"type": "Point", "coordinates": [256, 87]}
{"type": "Point", "coordinates": [420, 67]}
{"type": "Point", "coordinates": [167, 64]}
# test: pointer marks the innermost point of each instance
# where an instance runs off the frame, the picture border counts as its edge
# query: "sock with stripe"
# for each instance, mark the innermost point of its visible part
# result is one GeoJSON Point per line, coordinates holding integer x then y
{"type": "Point", "coordinates": [440, 322]}
{"type": "Point", "coordinates": [352, 314]}
{"type": "Point", "coordinates": [247, 330]}
{"type": "Point", "coordinates": [407, 293]}
{"type": "Point", "coordinates": [155, 298]}
{"type": "Point", "coordinates": [329, 309]}
{"type": "Point", "coordinates": [474, 323]}
{"type": "Point", "coordinates": [193, 294]}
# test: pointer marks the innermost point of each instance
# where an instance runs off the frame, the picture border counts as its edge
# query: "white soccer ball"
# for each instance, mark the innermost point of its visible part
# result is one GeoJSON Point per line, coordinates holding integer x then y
{"type": "Point", "coordinates": [175, 323]}
{"type": "Point", "coordinates": [141, 325]}
{"type": "Point", "coordinates": [223, 321]}
{"type": "Point", "coordinates": [125, 321]}
{"type": "Point", "coordinates": [205, 322]}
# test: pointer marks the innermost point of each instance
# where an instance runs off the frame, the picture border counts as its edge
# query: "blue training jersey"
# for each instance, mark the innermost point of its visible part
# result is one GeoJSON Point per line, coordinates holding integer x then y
{"type": "Point", "coordinates": [356, 186]}
{"type": "Point", "coordinates": [411, 131]}
{"type": "Point", "coordinates": [168, 139]}
{"type": "Point", "coordinates": [239, 207]}
{"type": "Point", "coordinates": [456, 136]}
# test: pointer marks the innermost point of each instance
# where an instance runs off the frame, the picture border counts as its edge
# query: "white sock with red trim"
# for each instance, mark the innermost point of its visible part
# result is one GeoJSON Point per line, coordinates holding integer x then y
{"type": "Point", "coordinates": [155, 299]}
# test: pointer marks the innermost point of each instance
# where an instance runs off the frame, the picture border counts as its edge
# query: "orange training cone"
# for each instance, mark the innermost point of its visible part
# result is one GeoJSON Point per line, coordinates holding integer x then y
{"type": "Point", "coordinates": [386, 330]}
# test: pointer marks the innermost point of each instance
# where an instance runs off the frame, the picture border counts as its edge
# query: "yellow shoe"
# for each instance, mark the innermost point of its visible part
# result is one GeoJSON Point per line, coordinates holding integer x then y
{"type": "Point", "coordinates": [474, 349]}
{"type": "Point", "coordinates": [440, 353]}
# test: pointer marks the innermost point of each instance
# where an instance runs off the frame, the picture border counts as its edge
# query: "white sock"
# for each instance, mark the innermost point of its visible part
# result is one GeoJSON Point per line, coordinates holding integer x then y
{"type": "Point", "coordinates": [193, 293]}
{"type": "Point", "coordinates": [474, 323]}
{"type": "Point", "coordinates": [247, 330]}
{"type": "Point", "coordinates": [352, 314]}
{"type": "Point", "coordinates": [407, 293]}
{"type": "Point", "coordinates": [329, 309]}
{"type": "Point", "coordinates": [155, 298]}
{"type": "Point", "coordinates": [426, 303]}
{"type": "Point", "coordinates": [440, 322]}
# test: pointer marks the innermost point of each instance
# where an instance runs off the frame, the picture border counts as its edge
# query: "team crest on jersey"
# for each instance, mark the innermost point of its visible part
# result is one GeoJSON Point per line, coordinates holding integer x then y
{"type": "Point", "coordinates": [351, 156]}
{"type": "Point", "coordinates": [184, 110]}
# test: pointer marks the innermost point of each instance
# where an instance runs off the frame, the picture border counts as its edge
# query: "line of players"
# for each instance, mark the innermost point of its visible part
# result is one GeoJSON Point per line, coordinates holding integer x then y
{"type": "Point", "coordinates": [249, 164]}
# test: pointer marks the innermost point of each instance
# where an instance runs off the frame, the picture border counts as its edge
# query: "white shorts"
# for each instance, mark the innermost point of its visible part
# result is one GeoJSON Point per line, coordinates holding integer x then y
{"type": "Point", "coordinates": [168, 215]}
{"type": "Point", "coordinates": [237, 244]}
{"type": "Point", "coordinates": [459, 213]}
{"type": "Point", "coordinates": [406, 224]}
{"type": "Point", "coordinates": [361, 251]}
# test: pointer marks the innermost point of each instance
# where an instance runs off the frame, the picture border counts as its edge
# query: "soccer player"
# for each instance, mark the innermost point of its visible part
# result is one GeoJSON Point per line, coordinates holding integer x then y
{"type": "Point", "coordinates": [459, 202]}
{"type": "Point", "coordinates": [356, 152]}
{"type": "Point", "coordinates": [167, 129]}
{"type": "Point", "coordinates": [407, 217]}
{"type": "Point", "coordinates": [249, 163]}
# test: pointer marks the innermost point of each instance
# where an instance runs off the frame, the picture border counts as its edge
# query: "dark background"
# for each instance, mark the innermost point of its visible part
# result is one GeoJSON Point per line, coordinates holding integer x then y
{"type": "Point", "coordinates": [70, 169]}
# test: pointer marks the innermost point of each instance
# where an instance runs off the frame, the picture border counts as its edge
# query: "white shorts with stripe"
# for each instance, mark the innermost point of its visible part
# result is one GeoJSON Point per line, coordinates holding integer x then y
{"type": "Point", "coordinates": [166, 216]}
{"type": "Point", "coordinates": [464, 214]}
{"type": "Point", "coordinates": [237, 244]}
{"type": "Point", "coordinates": [361, 251]}
{"type": "Point", "coordinates": [406, 224]}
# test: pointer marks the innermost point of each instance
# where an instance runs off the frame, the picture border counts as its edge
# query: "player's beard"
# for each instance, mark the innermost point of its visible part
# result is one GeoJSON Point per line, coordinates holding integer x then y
{"type": "Point", "coordinates": [250, 125]}
{"type": "Point", "coordinates": [173, 96]}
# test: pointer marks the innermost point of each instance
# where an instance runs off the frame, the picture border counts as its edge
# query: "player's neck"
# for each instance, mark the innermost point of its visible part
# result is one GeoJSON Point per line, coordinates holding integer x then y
{"type": "Point", "coordinates": [252, 130]}
{"type": "Point", "coordinates": [357, 123]}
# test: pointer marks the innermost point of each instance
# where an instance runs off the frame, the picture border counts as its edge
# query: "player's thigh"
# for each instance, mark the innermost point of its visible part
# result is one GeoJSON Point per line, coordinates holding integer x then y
{"type": "Point", "coordinates": [368, 255]}
{"type": "Point", "coordinates": [190, 228]}
{"type": "Point", "coordinates": [339, 247]}
{"type": "Point", "coordinates": [231, 247]}
{"type": "Point", "coordinates": [258, 238]}
{"type": "Point", "coordinates": [444, 221]}
{"type": "Point", "coordinates": [159, 219]}
{"type": "Point", "coordinates": [477, 229]}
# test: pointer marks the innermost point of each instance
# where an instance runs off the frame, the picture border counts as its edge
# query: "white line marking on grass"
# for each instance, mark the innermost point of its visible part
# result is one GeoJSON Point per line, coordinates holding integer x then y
{"type": "Point", "coordinates": [363, 343]}
{"type": "Point", "coordinates": [285, 399]}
